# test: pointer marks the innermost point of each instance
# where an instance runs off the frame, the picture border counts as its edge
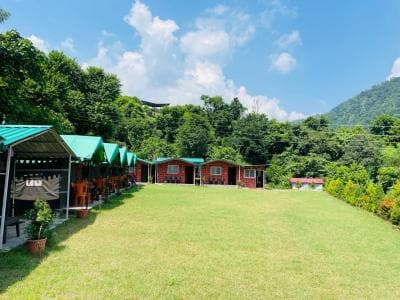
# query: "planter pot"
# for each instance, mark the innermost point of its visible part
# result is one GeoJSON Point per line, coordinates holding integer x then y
{"type": "Point", "coordinates": [83, 213]}
{"type": "Point", "coordinates": [36, 246]}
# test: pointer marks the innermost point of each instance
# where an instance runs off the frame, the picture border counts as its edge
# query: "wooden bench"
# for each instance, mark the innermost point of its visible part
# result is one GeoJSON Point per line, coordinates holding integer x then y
{"type": "Point", "coordinates": [11, 221]}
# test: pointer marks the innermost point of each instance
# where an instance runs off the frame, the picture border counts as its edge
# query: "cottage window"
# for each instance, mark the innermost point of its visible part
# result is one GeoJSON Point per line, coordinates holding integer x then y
{"type": "Point", "coordinates": [173, 169]}
{"type": "Point", "coordinates": [249, 173]}
{"type": "Point", "coordinates": [216, 171]}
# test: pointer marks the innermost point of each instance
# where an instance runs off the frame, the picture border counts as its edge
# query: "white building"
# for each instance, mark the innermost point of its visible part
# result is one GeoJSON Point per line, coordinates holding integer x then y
{"type": "Point", "coordinates": [315, 184]}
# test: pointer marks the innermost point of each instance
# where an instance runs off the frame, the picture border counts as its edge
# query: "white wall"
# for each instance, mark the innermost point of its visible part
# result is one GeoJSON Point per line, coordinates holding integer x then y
{"type": "Point", "coordinates": [306, 186]}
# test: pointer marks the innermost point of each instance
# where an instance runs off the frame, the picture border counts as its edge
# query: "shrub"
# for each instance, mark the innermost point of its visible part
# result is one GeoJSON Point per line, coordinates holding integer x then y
{"type": "Point", "coordinates": [375, 195]}
{"type": "Point", "coordinates": [334, 187]}
{"type": "Point", "coordinates": [385, 207]}
{"type": "Point", "coordinates": [395, 214]}
{"type": "Point", "coordinates": [41, 217]}
{"type": "Point", "coordinates": [351, 192]}
{"type": "Point", "coordinates": [395, 191]}
{"type": "Point", "coordinates": [387, 176]}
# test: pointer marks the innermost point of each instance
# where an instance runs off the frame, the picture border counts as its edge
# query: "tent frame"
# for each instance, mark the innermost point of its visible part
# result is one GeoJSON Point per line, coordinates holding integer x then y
{"type": "Point", "coordinates": [10, 154]}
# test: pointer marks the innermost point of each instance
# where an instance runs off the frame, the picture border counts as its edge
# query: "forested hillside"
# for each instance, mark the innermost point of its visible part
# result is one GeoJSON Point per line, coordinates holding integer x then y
{"type": "Point", "coordinates": [363, 108]}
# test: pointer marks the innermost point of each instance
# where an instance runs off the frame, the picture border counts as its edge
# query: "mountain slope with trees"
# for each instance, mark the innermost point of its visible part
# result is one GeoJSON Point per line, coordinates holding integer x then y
{"type": "Point", "coordinates": [381, 99]}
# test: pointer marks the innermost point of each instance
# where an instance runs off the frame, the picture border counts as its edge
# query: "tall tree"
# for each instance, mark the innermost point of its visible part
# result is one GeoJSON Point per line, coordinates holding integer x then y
{"type": "Point", "coordinates": [101, 91]}
{"type": "Point", "coordinates": [194, 136]}
{"type": "Point", "coordinates": [219, 114]}
{"type": "Point", "coordinates": [4, 15]}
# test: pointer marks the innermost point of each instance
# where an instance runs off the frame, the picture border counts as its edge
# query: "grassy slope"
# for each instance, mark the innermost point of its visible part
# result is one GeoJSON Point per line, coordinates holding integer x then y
{"type": "Point", "coordinates": [186, 242]}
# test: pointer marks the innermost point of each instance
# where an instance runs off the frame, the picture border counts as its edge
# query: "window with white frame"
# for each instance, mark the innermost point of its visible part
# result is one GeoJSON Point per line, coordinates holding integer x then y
{"type": "Point", "coordinates": [173, 169]}
{"type": "Point", "coordinates": [216, 171]}
{"type": "Point", "coordinates": [249, 173]}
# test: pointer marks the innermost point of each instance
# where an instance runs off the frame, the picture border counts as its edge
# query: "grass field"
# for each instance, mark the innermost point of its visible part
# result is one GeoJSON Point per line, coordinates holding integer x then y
{"type": "Point", "coordinates": [193, 242]}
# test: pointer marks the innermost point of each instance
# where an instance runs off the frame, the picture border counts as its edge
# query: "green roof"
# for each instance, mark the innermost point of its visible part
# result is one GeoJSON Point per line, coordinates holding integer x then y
{"type": "Point", "coordinates": [131, 159]}
{"type": "Point", "coordinates": [86, 147]}
{"type": "Point", "coordinates": [123, 152]}
{"type": "Point", "coordinates": [190, 160]}
{"type": "Point", "coordinates": [145, 161]}
{"type": "Point", "coordinates": [112, 153]}
{"type": "Point", "coordinates": [14, 133]}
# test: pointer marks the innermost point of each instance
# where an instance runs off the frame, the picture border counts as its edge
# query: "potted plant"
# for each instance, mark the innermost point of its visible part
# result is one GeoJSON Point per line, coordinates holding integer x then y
{"type": "Point", "coordinates": [298, 185]}
{"type": "Point", "coordinates": [84, 212]}
{"type": "Point", "coordinates": [41, 216]}
{"type": "Point", "coordinates": [240, 184]}
{"type": "Point", "coordinates": [150, 179]}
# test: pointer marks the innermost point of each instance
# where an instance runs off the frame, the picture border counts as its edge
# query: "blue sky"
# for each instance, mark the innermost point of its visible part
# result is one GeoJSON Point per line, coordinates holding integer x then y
{"type": "Point", "coordinates": [284, 58]}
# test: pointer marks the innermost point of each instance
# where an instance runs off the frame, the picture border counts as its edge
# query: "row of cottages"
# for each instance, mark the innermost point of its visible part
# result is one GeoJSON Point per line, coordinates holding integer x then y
{"type": "Point", "coordinates": [197, 171]}
{"type": "Point", "coordinates": [68, 171]}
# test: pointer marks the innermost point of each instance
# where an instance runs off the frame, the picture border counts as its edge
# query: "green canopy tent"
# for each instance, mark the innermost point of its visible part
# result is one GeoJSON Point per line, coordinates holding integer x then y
{"type": "Point", "coordinates": [113, 160]}
{"type": "Point", "coordinates": [124, 156]}
{"type": "Point", "coordinates": [90, 152]}
{"type": "Point", "coordinates": [91, 156]}
{"type": "Point", "coordinates": [112, 154]}
{"type": "Point", "coordinates": [131, 165]}
{"type": "Point", "coordinates": [38, 158]}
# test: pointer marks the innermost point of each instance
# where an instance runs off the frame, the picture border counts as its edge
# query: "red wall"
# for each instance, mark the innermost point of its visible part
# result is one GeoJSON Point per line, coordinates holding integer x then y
{"type": "Point", "coordinates": [249, 182]}
{"type": "Point", "coordinates": [162, 170]}
{"type": "Point", "coordinates": [138, 171]}
{"type": "Point", "coordinates": [206, 175]}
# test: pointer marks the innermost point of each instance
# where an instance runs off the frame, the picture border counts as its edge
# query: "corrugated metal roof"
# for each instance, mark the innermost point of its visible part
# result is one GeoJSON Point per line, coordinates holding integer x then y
{"type": "Point", "coordinates": [34, 141]}
{"type": "Point", "coordinates": [131, 159]}
{"type": "Point", "coordinates": [14, 133]}
{"type": "Point", "coordinates": [190, 160]}
{"type": "Point", "coordinates": [112, 153]}
{"type": "Point", "coordinates": [123, 152]}
{"type": "Point", "coordinates": [86, 147]}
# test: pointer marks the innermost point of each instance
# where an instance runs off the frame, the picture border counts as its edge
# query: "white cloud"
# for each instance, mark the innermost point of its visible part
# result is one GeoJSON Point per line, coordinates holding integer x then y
{"type": "Point", "coordinates": [287, 40]}
{"type": "Point", "coordinates": [179, 69]}
{"type": "Point", "coordinates": [395, 72]}
{"type": "Point", "coordinates": [274, 10]}
{"type": "Point", "coordinates": [219, 9]}
{"type": "Point", "coordinates": [205, 43]}
{"type": "Point", "coordinates": [68, 45]}
{"type": "Point", "coordinates": [42, 45]}
{"type": "Point", "coordinates": [283, 62]}
{"type": "Point", "coordinates": [269, 106]}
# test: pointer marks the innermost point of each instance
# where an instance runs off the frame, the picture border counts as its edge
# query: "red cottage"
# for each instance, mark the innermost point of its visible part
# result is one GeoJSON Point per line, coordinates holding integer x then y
{"type": "Point", "coordinates": [252, 176]}
{"type": "Point", "coordinates": [178, 170]}
{"type": "Point", "coordinates": [143, 169]}
{"type": "Point", "coordinates": [220, 172]}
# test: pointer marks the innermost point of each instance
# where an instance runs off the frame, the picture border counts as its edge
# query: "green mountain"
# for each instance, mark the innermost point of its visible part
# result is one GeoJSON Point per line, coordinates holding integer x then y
{"type": "Point", "coordinates": [361, 109]}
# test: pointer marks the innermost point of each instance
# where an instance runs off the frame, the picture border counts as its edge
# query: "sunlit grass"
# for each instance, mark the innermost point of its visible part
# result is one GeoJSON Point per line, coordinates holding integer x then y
{"type": "Point", "coordinates": [194, 242]}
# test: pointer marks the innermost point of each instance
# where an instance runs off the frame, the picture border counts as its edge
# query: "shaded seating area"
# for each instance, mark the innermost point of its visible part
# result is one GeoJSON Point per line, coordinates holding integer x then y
{"type": "Point", "coordinates": [172, 179]}
{"type": "Point", "coordinates": [34, 163]}
{"type": "Point", "coordinates": [113, 169]}
{"type": "Point", "coordinates": [86, 168]}
{"type": "Point", "coordinates": [131, 167]}
{"type": "Point", "coordinates": [216, 180]}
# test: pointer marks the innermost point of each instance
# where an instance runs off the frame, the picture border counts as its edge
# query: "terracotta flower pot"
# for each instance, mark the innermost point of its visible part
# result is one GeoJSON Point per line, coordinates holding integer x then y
{"type": "Point", "coordinates": [83, 213]}
{"type": "Point", "coordinates": [36, 246]}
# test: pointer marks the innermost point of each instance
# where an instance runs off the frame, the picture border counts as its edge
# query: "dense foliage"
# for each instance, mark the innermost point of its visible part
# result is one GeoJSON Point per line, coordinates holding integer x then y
{"type": "Point", "coordinates": [363, 108]}
{"type": "Point", "coordinates": [54, 89]}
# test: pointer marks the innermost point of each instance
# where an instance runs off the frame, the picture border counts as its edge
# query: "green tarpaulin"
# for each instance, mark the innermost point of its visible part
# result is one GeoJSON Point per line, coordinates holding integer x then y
{"type": "Point", "coordinates": [112, 153]}
{"type": "Point", "coordinates": [86, 147]}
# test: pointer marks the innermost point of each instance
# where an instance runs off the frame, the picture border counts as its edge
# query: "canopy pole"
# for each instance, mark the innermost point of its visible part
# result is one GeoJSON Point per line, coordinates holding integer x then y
{"type": "Point", "coordinates": [13, 190]}
{"type": "Point", "coordinates": [69, 186]}
{"type": "Point", "coordinates": [5, 193]}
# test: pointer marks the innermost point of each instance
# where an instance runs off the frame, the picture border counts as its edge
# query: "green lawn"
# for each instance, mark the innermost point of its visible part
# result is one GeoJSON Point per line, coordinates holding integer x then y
{"type": "Point", "coordinates": [193, 242]}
